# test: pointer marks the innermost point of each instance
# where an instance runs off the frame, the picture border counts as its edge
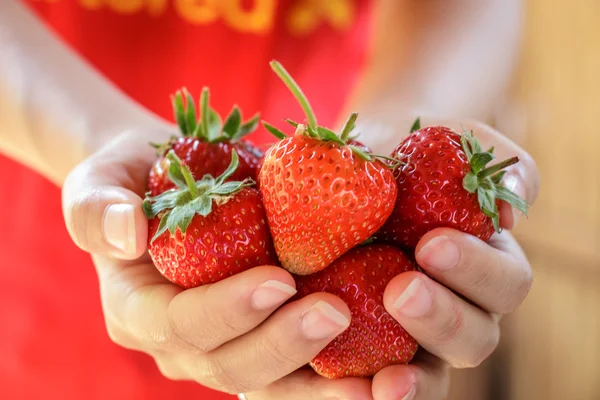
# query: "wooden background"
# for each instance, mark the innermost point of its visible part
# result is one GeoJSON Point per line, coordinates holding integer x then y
{"type": "Point", "coordinates": [551, 346]}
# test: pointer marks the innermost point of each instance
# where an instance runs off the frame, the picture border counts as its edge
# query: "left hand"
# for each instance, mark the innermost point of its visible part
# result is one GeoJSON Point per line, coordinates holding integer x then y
{"type": "Point", "coordinates": [453, 309]}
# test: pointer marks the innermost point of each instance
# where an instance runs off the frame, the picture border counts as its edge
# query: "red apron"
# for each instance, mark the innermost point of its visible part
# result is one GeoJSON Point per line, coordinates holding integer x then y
{"type": "Point", "coordinates": [53, 342]}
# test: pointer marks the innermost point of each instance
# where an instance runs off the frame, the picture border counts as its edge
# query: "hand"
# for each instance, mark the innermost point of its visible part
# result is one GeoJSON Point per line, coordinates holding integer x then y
{"type": "Point", "coordinates": [229, 336]}
{"type": "Point", "coordinates": [454, 307]}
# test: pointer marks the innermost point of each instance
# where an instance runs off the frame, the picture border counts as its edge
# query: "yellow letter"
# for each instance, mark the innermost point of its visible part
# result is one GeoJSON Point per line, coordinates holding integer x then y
{"type": "Point", "coordinates": [256, 20]}
{"type": "Point", "coordinates": [156, 7]}
{"type": "Point", "coordinates": [340, 13]}
{"type": "Point", "coordinates": [307, 15]}
{"type": "Point", "coordinates": [126, 6]}
{"type": "Point", "coordinates": [197, 11]}
{"type": "Point", "coordinates": [302, 18]}
{"type": "Point", "coordinates": [91, 4]}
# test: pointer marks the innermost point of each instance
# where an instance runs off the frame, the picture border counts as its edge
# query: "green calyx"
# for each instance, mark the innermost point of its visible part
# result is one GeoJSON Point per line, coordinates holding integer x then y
{"type": "Point", "coordinates": [311, 128]}
{"type": "Point", "coordinates": [486, 181]}
{"type": "Point", "coordinates": [210, 127]}
{"type": "Point", "coordinates": [177, 207]}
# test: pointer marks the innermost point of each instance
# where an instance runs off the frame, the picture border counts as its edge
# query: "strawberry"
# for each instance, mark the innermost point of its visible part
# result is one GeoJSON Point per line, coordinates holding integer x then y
{"type": "Point", "coordinates": [322, 194]}
{"type": "Point", "coordinates": [206, 144]}
{"type": "Point", "coordinates": [374, 340]}
{"type": "Point", "coordinates": [445, 182]}
{"type": "Point", "coordinates": [207, 230]}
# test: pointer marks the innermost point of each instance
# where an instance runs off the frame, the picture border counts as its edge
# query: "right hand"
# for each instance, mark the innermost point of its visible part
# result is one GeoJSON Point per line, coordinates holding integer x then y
{"type": "Point", "coordinates": [230, 336]}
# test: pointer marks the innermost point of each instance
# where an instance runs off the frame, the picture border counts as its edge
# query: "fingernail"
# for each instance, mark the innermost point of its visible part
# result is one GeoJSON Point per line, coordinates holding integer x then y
{"type": "Point", "coordinates": [514, 184]}
{"type": "Point", "coordinates": [411, 393]}
{"type": "Point", "coordinates": [271, 294]}
{"type": "Point", "coordinates": [439, 253]}
{"type": "Point", "coordinates": [415, 301]}
{"type": "Point", "coordinates": [119, 227]}
{"type": "Point", "coordinates": [323, 321]}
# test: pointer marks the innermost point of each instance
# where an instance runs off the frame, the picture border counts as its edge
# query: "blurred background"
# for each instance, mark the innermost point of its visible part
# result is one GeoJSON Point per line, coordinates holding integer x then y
{"type": "Point", "coordinates": [550, 348]}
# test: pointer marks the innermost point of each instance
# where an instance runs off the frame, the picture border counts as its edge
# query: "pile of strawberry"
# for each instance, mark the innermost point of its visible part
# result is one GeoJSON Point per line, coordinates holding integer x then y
{"type": "Point", "coordinates": [341, 219]}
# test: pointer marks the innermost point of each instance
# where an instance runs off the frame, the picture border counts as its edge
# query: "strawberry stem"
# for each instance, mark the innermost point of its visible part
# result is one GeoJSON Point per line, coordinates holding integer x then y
{"type": "Point", "coordinates": [497, 167]}
{"type": "Point", "coordinates": [296, 91]}
{"type": "Point", "coordinates": [348, 127]}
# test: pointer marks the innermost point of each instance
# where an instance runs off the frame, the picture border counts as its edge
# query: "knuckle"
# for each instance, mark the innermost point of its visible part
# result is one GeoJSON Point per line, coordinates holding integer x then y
{"type": "Point", "coordinates": [526, 283]}
{"type": "Point", "coordinates": [278, 354]}
{"type": "Point", "coordinates": [121, 338]}
{"type": "Point", "coordinates": [187, 329]}
{"type": "Point", "coordinates": [520, 291]}
{"type": "Point", "coordinates": [478, 354]}
{"type": "Point", "coordinates": [168, 368]}
{"type": "Point", "coordinates": [449, 331]}
{"type": "Point", "coordinates": [116, 335]}
{"type": "Point", "coordinates": [159, 338]}
{"type": "Point", "coordinates": [222, 378]}
{"type": "Point", "coordinates": [485, 350]}
{"type": "Point", "coordinates": [75, 219]}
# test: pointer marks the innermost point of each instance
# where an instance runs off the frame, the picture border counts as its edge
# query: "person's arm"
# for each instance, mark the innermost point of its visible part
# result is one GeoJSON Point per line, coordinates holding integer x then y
{"type": "Point", "coordinates": [55, 109]}
{"type": "Point", "coordinates": [439, 58]}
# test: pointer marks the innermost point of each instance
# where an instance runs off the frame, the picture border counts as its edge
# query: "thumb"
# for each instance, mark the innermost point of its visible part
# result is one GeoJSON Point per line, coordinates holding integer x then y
{"type": "Point", "coordinates": [102, 197]}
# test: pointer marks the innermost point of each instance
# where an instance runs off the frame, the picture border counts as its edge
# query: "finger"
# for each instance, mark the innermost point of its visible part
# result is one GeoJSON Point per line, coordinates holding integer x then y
{"type": "Point", "coordinates": [305, 384]}
{"type": "Point", "coordinates": [289, 339]}
{"type": "Point", "coordinates": [209, 316]}
{"type": "Point", "coordinates": [443, 323]}
{"type": "Point", "coordinates": [497, 280]}
{"type": "Point", "coordinates": [135, 299]}
{"type": "Point", "coordinates": [102, 201]}
{"type": "Point", "coordinates": [424, 379]}
{"type": "Point", "coordinates": [142, 309]}
{"type": "Point", "coordinates": [170, 366]}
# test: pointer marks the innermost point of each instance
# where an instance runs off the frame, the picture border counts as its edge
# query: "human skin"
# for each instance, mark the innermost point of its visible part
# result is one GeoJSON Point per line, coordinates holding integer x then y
{"type": "Point", "coordinates": [429, 58]}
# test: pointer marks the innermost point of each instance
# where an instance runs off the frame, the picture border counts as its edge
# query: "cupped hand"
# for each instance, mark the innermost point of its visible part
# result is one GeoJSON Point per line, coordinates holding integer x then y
{"type": "Point", "coordinates": [453, 307]}
{"type": "Point", "coordinates": [232, 336]}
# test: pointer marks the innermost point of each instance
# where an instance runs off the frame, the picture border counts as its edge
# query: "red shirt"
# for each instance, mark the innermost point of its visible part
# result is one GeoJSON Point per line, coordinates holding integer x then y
{"type": "Point", "coordinates": [53, 342]}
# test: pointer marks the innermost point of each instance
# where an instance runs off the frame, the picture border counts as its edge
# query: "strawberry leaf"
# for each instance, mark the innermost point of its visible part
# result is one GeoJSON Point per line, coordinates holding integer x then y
{"type": "Point", "coordinates": [247, 127]}
{"type": "Point", "coordinates": [416, 126]}
{"type": "Point", "coordinates": [360, 153]}
{"type": "Point", "coordinates": [228, 188]}
{"type": "Point", "coordinates": [214, 125]}
{"type": "Point", "coordinates": [470, 182]}
{"type": "Point", "coordinates": [327, 134]}
{"type": "Point", "coordinates": [204, 106]}
{"type": "Point", "coordinates": [175, 173]}
{"type": "Point", "coordinates": [232, 123]}
{"type": "Point", "coordinates": [204, 205]}
{"type": "Point", "coordinates": [190, 112]}
{"type": "Point", "coordinates": [514, 200]}
{"type": "Point", "coordinates": [292, 122]}
{"type": "Point", "coordinates": [274, 131]}
{"type": "Point", "coordinates": [178, 110]}
{"type": "Point", "coordinates": [479, 161]}
{"type": "Point", "coordinates": [162, 227]}
{"type": "Point", "coordinates": [230, 169]}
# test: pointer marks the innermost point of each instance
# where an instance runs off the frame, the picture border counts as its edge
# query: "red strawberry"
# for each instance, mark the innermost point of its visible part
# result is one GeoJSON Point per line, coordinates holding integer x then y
{"type": "Point", "coordinates": [444, 182]}
{"type": "Point", "coordinates": [374, 340]}
{"type": "Point", "coordinates": [207, 230]}
{"type": "Point", "coordinates": [206, 144]}
{"type": "Point", "coordinates": [322, 195]}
